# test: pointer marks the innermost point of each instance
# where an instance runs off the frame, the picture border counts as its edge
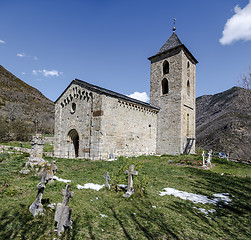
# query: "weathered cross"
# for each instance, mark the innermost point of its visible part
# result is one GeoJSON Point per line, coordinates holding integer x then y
{"type": "Point", "coordinates": [36, 207]}
{"type": "Point", "coordinates": [203, 155]}
{"type": "Point", "coordinates": [63, 212]}
{"type": "Point", "coordinates": [209, 158]}
{"type": "Point", "coordinates": [107, 179]}
{"type": "Point", "coordinates": [130, 173]}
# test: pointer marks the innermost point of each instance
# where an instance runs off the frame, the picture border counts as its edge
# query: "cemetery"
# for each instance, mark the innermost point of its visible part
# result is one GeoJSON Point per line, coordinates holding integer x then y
{"type": "Point", "coordinates": [193, 196]}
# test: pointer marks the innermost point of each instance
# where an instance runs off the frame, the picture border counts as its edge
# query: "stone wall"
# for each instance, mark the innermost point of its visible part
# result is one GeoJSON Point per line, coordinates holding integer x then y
{"type": "Point", "coordinates": [188, 100]}
{"type": "Point", "coordinates": [104, 126]}
{"type": "Point", "coordinates": [169, 117]}
{"type": "Point", "coordinates": [128, 129]}
{"type": "Point", "coordinates": [176, 118]}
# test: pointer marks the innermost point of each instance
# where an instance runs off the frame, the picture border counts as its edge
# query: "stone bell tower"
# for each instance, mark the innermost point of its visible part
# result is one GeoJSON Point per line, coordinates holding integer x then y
{"type": "Point", "coordinates": [172, 89]}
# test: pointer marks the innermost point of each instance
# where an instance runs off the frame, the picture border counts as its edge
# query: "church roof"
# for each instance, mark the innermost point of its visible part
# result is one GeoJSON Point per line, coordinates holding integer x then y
{"type": "Point", "coordinates": [101, 90]}
{"type": "Point", "coordinates": [172, 43]}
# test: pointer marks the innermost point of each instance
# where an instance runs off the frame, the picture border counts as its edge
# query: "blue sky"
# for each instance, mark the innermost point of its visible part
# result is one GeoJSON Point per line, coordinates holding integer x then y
{"type": "Point", "coordinates": [49, 43]}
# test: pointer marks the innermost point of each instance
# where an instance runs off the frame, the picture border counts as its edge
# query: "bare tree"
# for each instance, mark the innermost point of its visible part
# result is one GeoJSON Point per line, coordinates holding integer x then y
{"type": "Point", "coordinates": [245, 80]}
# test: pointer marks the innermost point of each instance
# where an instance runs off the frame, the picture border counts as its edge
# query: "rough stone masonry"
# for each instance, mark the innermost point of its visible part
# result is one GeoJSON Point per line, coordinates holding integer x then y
{"type": "Point", "coordinates": [96, 123]}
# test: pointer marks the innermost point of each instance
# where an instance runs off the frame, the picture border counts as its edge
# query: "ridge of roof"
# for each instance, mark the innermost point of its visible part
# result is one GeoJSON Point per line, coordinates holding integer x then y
{"type": "Point", "coordinates": [107, 92]}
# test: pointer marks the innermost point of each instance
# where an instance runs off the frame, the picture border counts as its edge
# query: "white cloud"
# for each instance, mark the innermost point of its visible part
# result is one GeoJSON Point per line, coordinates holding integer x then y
{"type": "Point", "coordinates": [139, 96]}
{"type": "Point", "coordinates": [21, 54]}
{"type": "Point", "coordinates": [238, 27]}
{"type": "Point", "coordinates": [2, 41]}
{"type": "Point", "coordinates": [47, 73]}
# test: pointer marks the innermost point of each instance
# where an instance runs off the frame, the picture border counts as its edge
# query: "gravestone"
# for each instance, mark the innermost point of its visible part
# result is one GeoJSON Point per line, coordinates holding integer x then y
{"type": "Point", "coordinates": [36, 154]}
{"type": "Point", "coordinates": [63, 212]}
{"type": "Point", "coordinates": [209, 164]}
{"type": "Point", "coordinates": [107, 179]}
{"type": "Point", "coordinates": [36, 207]}
{"type": "Point", "coordinates": [203, 162]}
{"type": "Point", "coordinates": [47, 172]}
{"type": "Point", "coordinates": [45, 175]}
{"type": "Point", "coordinates": [130, 173]}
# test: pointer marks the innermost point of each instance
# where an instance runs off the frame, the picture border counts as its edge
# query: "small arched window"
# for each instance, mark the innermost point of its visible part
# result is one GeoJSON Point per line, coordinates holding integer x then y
{"type": "Point", "coordinates": [188, 64]}
{"type": "Point", "coordinates": [165, 88]}
{"type": "Point", "coordinates": [165, 67]}
{"type": "Point", "coordinates": [188, 124]}
{"type": "Point", "coordinates": [188, 87]}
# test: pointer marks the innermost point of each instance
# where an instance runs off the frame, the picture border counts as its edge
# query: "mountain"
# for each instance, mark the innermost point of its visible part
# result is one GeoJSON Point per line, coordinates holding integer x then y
{"type": "Point", "coordinates": [223, 122]}
{"type": "Point", "coordinates": [19, 100]}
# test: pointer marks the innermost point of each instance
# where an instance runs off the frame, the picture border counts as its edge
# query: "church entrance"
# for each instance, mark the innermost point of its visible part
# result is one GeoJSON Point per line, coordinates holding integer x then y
{"type": "Point", "coordinates": [74, 143]}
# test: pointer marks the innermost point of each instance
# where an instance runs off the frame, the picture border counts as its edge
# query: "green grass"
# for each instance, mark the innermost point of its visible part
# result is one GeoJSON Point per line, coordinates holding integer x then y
{"type": "Point", "coordinates": [17, 144]}
{"type": "Point", "coordinates": [133, 218]}
{"type": "Point", "coordinates": [48, 147]}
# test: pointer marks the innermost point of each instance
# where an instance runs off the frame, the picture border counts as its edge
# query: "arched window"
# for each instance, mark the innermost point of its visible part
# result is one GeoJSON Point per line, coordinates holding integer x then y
{"type": "Point", "coordinates": [188, 64]}
{"type": "Point", "coordinates": [188, 87]}
{"type": "Point", "coordinates": [165, 86]}
{"type": "Point", "coordinates": [166, 67]}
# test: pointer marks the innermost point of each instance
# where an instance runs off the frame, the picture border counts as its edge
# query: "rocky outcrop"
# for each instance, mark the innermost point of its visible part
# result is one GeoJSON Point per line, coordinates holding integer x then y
{"type": "Point", "coordinates": [223, 122]}
{"type": "Point", "coordinates": [19, 100]}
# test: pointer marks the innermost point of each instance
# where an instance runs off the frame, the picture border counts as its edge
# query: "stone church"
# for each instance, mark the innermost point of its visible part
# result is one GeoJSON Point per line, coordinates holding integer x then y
{"type": "Point", "coordinates": [96, 123]}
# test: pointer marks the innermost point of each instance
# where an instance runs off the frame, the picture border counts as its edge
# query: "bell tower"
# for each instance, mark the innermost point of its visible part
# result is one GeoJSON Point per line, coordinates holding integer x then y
{"type": "Point", "coordinates": [172, 89]}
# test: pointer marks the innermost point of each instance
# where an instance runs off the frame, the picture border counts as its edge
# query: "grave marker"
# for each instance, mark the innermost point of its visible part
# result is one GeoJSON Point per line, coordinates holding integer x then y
{"type": "Point", "coordinates": [130, 173]}
{"type": "Point", "coordinates": [63, 212]}
{"type": "Point", "coordinates": [107, 179]}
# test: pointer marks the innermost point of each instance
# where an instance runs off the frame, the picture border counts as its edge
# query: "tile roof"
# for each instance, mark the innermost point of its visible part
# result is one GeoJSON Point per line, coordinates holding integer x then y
{"type": "Point", "coordinates": [101, 90]}
{"type": "Point", "coordinates": [172, 42]}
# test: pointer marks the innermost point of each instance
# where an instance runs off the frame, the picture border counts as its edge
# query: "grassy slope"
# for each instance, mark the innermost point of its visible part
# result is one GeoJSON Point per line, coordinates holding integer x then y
{"type": "Point", "coordinates": [134, 218]}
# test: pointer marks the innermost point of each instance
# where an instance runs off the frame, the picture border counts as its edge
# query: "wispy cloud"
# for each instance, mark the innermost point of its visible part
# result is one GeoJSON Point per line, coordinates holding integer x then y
{"type": "Point", "coordinates": [2, 41]}
{"type": "Point", "coordinates": [21, 55]}
{"type": "Point", "coordinates": [139, 96]}
{"type": "Point", "coordinates": [47, 73]}
{"type": "Point", "coordinates": [24, 55]}
{"type": "Point", "coordinates": [238, 27]}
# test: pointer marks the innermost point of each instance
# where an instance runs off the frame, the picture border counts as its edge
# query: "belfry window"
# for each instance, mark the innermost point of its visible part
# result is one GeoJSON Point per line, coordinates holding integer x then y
{"type": "Point", "coordinates": [166, 67]}
{"type": "Point", "coordinates": [188, 88]}
{"type": "Point", "coordinates": [165, 88]}
{"type": "Point", "coordinates": [188, 64]}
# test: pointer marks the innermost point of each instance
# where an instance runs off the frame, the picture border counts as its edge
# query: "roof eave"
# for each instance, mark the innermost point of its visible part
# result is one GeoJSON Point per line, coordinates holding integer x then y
{"type": "Point", "coordinates": [159, 54]}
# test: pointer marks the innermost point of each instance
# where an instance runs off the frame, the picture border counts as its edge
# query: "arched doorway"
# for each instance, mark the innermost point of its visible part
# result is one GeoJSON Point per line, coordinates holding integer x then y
{"type": "Point", "coordinates": [74, 140]}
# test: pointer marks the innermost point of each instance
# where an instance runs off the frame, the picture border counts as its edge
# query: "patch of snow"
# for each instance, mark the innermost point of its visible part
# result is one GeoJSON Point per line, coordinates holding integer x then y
{"type": "Point", "coordinates": [102, 230]}
{"type": "Point", "coordinates": [122, 185]}
{"type": "Point", "coordinates": [61, 179]}
{"type": "Point", "coordinates": [223, 197]}
{"type": "Point", "coordinates": [153, 206]}
{"type": "Point", "coordinates": [205, 211]}
{"type": "Point", "coordinates": [93, 186]}
{"type": "Point", "coordinates": [111, 159]}
{"type": "Point", "coordinates": [196, 198]}
{"type": "Point", "coordinates": [96, 198]}
{"type": "Point", "coordinates": [102, 215]}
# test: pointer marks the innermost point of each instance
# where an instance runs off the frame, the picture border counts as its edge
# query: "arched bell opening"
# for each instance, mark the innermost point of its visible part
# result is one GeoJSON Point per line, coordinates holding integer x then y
{"type": "Point", "coordinates": [73, 139]}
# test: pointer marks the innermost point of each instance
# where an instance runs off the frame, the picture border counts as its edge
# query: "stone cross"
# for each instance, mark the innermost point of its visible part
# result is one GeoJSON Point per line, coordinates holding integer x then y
{"type": "Point", "coordinates": [36, 153]}
{"type": "Point", "coordinates": [63, 212]}
{"type": "Point", "coordinates": [209, 164]}
{"type": "Point", "coordinates": [203, 155]}
{"type": "Point", "coordinates": [107, 179]}
{"type": "Point", "coordinates": [51, 171]}
{"type": "Point", "coordinates": [130, 173]}
{"type": "Point", "coordinates": [36, 207]}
